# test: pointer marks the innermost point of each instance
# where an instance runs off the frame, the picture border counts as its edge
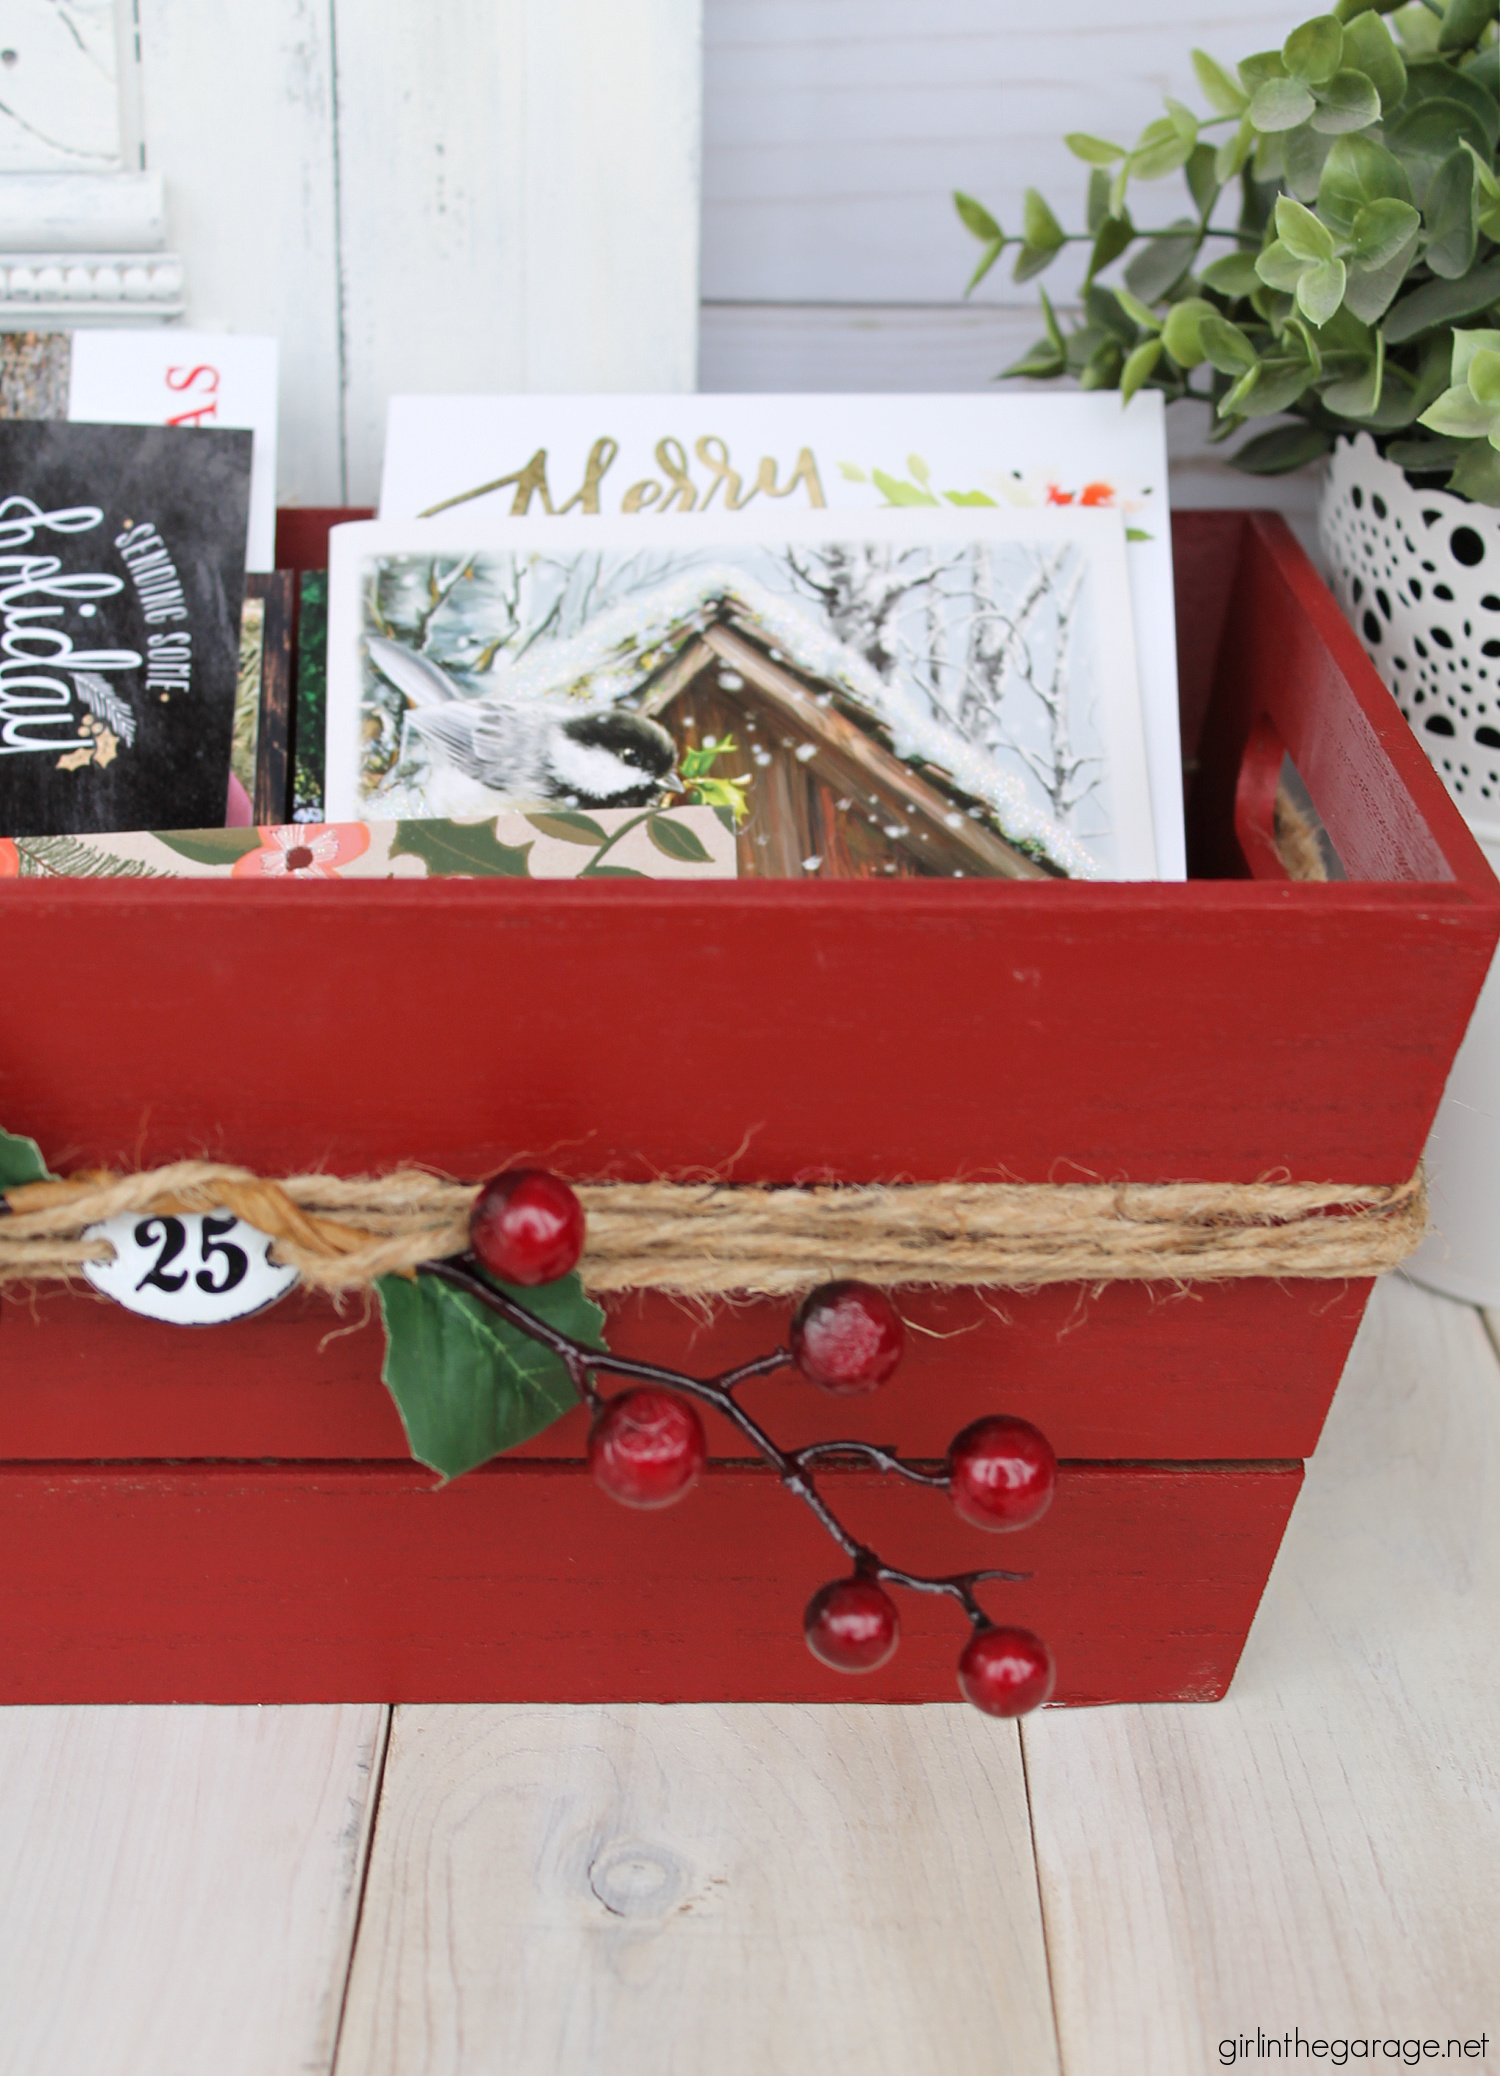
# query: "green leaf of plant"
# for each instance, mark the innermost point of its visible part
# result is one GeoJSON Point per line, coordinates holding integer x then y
{"type": "Point", "coordinates": [1281, 104]}
{"type": "Point", "coordinates": [1181, 334]}
{"type": "Point", "coordinates": [1226, 346]}
{"type": "Point", "coordinates": [1477, 474]}
{"type": "Point", "coordinates": [21, 1161]}
{"type": "Point", "coordinates": [1233, 275]}
{"type": "Point", "coordinates": [1231, 155]}
{"type": "Point", "coordinates": [1371, 290]}
{"type": "Point", "coordinates": [1139, 367]}
{"type": "Point", "coordinates": [1425, 456]}
{"type": "Point", "coordinates": [210, 846]}
{"type": "Point", "coordinates": [1321, 290]}
{"type": "Point", "coordinates": [1278, 268]}
{"type": "Point", "coordinates": [568, 827]}
{"type": "Point", "coordinates": [1300, 231]}
{"type": "Point", "coordinates": [1464, 23]}
{"type": "Point", "coordinates": [1115, 234]}
{"type": "Point", "coordinates": [1232, 406]}
{"type": "Point", "coordinates": [1136, 311]}
{"type": "Point", "coordinates": [1284, 448]}
{"type": "Point", "coordinates": [986, 260]}
{"type": "Point", "coordinates": [1043, 231]}
{"type": "Point", "coordinates": [1260, 66]}
{"type": "Point", "coordinates": [1040, 362]}
{"type": "Point", "coordinates": [1104, 308]}
{"type": "Point", "coordinates": [1268, 166]}
{"type": "Point", "coordinates": [1423, 137]}
{"type": "Point", "coordinates": [1460, 415]}
{"type": "Point", "coordinates": [1443, 302]}
{"type": "Point", "coordinates": [1358, 171]}
{"type": "Point", "coordinates": [676, 840]}
{"type": "Point", "coordinates": [1032, 260]}
{"type": "Point", "coordinates": [1348, 102]}
{"type": "Point", "coordinates": [1054, 329]}
{"type": "Point", "coordinates": [1277, 388]}
{"type": "Point", "coordinates": [1094, 151]}
{"type": "Point", "coordinates": [1474, 89]}
{"type": "Point", "coordinates": [467, 1384]}
{"type": "Point", "coordinates": [1380, 230]}
{"type": "Point", "coordinates": [1097, 207]}
{"type": "Point", "coordinates": [1467, 345]}
{"type": "Point", "coordinates": [1483, 377]}
{"type": "Point", "coordinates": [1452, 215]}
{"type": "Point", "coordinates": [1358, 396]}
{"type": "Point", "coordinates": [611, 872]}
{"type": "Point", "coordinates": [1419, 28]}
{"type": "Point", "coordinates": [1314, 51]}
{"type": "Point", "coordinates": [1304, 152]}
{"type": "Point", "coordinates": [1203, 181]}
{"type": "Point", "coordinates": [1219, 90]}
{"type": "Point", "coordinates": [1161, 263]}
{"type": "Point", "coordinates": [461, 850]}
{"type": "Point", "coordinates": [1369, 48]}
{"type": "Point", "coordinates": [976, 218]}
{"type": "Point", "coordinates": [1160, 149]}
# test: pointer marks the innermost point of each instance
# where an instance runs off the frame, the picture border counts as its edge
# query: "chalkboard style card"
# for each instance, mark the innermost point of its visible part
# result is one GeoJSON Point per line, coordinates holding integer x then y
{"type": "Point", "coordinates": [946, 693]}
{"type": "Point", "coordinates": [122, 575]}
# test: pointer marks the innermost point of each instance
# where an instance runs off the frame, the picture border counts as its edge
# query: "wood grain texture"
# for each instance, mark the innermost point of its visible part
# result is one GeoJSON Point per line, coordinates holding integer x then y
{"type": "Point", "coordinates": [1323, 1851]}
{"type": "Point", "coordinates": [835, 130]}
{"type": "Point", "coordinates": [522, 1582]}
{"type": "Point", "coordinates": [518, 191]}
{"type": "Point", "coordinates": [1129, 1371]}
{"type": "Point", "coordinates": [178, 1887]}
{"type": "Point", "coordinates": [735, 1889]}
{"type": "Point", "coordinates": [239, 118]}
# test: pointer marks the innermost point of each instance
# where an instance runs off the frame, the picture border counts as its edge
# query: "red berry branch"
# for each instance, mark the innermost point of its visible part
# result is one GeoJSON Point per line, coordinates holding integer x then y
{"type": "Point", "coordinates": [647, 1447]}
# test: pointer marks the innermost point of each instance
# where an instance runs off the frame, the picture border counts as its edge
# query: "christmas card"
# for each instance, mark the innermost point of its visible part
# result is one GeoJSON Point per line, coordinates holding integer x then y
{"type": "Point", "coordinates": [121, 579]}
{"type": "Point", "coordinates": [734, 459]}
{"type": "Point", "coordinates": [945, 692]}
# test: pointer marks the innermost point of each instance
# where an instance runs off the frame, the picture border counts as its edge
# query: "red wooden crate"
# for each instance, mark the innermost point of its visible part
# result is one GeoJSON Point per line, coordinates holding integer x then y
{"type": "Point", "coordinates": [1223, 1029]}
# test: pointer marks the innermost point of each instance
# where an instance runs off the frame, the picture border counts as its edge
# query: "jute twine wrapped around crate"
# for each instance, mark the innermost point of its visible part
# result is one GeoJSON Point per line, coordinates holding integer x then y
{"type": "Point", "coordinates": [709, 1239]}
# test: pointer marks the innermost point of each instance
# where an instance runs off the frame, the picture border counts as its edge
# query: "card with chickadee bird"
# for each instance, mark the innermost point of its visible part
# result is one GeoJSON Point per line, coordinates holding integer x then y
{"type": "Point", "coordinates": [855, 675]}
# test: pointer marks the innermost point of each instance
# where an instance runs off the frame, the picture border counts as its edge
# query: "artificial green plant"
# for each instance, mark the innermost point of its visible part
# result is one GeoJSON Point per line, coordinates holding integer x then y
{"type": "Point", "coordinates": [1355, 284]}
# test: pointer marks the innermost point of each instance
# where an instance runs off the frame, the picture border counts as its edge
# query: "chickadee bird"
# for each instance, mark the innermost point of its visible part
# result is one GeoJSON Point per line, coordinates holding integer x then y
{"type": "Point", "coordinates": [614, 758]}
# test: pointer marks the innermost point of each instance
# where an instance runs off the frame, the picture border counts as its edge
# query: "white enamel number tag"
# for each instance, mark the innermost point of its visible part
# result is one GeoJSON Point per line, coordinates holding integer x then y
{"type": "Point", "coordinates": [199, 1269]}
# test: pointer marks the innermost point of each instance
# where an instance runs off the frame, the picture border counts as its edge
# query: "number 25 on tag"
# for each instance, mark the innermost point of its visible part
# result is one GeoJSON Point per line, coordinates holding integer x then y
{"type": "Point", "coordinates": [198, 1269]}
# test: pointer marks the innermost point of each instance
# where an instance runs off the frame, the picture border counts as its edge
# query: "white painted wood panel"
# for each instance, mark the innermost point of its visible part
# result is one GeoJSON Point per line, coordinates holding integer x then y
{"type": "Point", "coordinates": [518, 201]}
{"type": "Point", "coordinates": [179, 1886]}
{"type": "Point", "coordinates": [680, 1890]}
{"type": "Point", "coordinates": [59, 97]}
{"type": "Point", "coordinates": [834, 130]}
{"type": "Point", "coordinates": [238, 109]}
{"type": "Point", "coordinates": [1321, 1850]}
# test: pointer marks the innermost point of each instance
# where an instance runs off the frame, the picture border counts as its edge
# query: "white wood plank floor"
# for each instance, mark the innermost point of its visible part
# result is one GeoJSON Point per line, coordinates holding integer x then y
{"type": "Point", "coordinates": [648, 1891]}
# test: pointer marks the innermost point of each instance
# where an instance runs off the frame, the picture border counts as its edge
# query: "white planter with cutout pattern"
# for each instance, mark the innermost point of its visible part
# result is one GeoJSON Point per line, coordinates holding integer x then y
{"type": "Point", "coordinates": [1418, 574]}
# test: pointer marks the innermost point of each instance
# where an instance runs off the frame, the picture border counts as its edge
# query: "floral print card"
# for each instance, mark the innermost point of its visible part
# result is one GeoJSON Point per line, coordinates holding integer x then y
{"type": "Point", "coordinates": [736, 459]}
{"type": "Point", "coordinates": [674, 843]}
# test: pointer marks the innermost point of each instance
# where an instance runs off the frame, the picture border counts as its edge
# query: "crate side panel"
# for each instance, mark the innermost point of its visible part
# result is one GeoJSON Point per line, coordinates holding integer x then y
{"type": "Point", "coordinates": [844, 1032]}
{"type": "Point", "coordinates": [1238, 1370]}
{"type": "Point", "coordinates": [525, 1584]}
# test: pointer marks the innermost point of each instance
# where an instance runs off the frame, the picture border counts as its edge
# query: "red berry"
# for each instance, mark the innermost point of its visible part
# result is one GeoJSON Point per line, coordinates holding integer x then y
{"type": "Point", "coordinates": [1006, 1672]}
{"type": "Point", "coordinates": [646, 1448]}
{"type": "Point", "coordinates": [852, 1625]}
{"type": "Point", "coordinates": [847, 1337]}
{"type": "Point", "coordinates": [1001, 1473]}
{"type": "Point", "coordinates": [527, 1226]}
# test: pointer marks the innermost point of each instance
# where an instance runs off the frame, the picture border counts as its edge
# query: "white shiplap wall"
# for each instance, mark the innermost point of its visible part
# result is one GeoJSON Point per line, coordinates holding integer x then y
{"type": "Point", "coordinates": [481, 195]}
{"type": "Point", "coordinates": [834, 133]}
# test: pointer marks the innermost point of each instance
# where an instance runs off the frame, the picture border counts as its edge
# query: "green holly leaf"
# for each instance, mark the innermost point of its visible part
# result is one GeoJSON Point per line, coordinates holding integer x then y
{"type": "Point", "coordinates": [467, 1384]}
{"type": "Point", "coordinates": [567, 827]}
{"type": "Point", "coordinates": [21, 1161]}
{"type": "Point", "coordinates": [461, 850]}
{"type": "Point", "coordinates": [210, 846]}
{"type": "Point", "coordinates": [675, 840]}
